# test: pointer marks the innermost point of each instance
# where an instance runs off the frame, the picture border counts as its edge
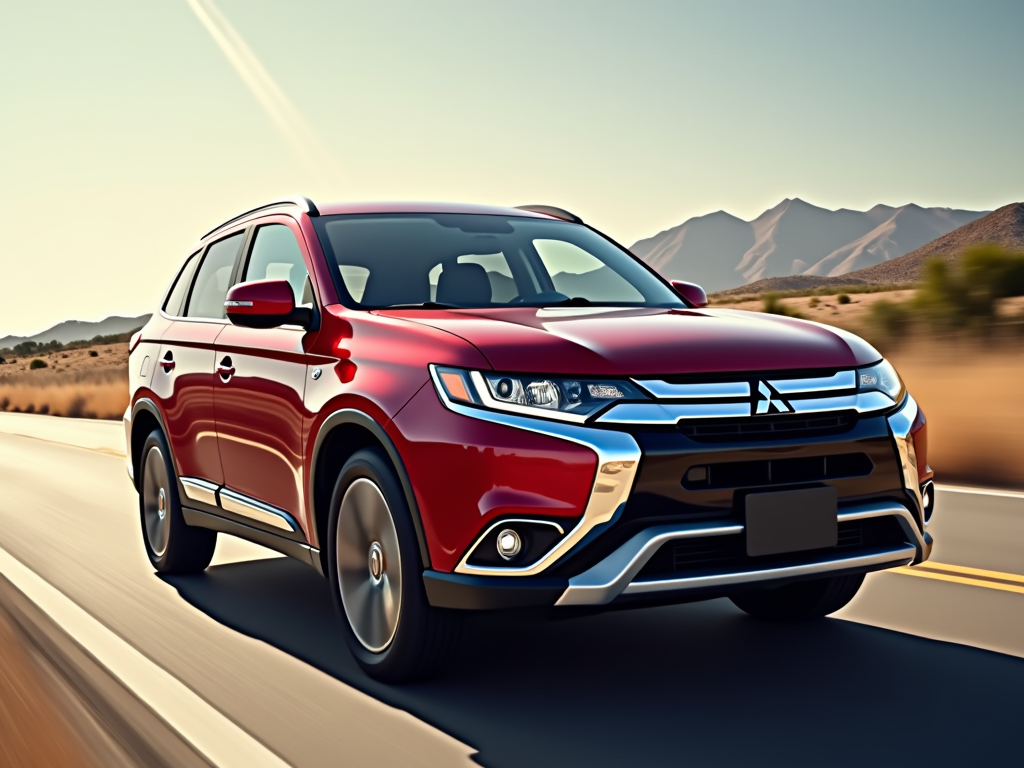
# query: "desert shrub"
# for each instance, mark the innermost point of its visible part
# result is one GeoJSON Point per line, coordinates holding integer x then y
{"type": "Point", "coordinates": [964, 296]}
{"type": "Point", "coordinates": [4, 402]}
{"type": "Point", "coordinates": [774, 306]}
{"type": "Point", "coordinates": [44, 409]}
{"type": "Point", "coordinates": [890, 319]}
{"type": "Point", "coordinates": [36, 364]}
{"type": "Point", "coordinates": [93, 353]}
{"type": "Point", "coordinates": [843, 298]}
{"type": "Point", "coordinates": [814, 302]}
{"type": "Point", "coordinates": [76, 408]}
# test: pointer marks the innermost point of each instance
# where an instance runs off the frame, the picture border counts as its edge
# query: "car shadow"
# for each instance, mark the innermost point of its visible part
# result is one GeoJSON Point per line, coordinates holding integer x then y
{"type": "Point", "coordinates": [697, 684]}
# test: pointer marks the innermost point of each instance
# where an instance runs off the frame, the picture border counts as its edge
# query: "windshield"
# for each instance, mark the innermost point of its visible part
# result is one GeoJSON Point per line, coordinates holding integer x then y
{"type": "Point", "coordinates": [476, 261]}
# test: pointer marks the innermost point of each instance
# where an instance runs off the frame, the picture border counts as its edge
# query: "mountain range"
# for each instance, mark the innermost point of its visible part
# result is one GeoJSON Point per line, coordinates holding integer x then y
{"type": "Point", "coordinates": [79, 330]}
{"type": "Point", "coordinates": [721, 251]}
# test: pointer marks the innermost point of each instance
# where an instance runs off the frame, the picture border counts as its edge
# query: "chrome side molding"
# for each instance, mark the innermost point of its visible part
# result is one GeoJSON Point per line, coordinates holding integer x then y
{"type": "Point", "coordinates": [216, 495]}
{"type": "Point", "coordinates": [615, 574]}
{"type": "Point", "coordinates": [200, 490]}
{"type": "Point", "coordinates": [232, 501]}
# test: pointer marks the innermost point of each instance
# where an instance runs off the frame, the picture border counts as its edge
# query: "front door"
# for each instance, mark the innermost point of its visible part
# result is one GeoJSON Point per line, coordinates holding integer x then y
{"type": "Point", "coordinates": [259, 389]}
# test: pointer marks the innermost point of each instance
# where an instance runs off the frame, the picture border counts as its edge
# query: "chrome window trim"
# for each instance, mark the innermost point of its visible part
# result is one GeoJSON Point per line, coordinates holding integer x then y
{"type": "Point", "coordinates": [664, 390]}
{"type": "Point", "coordinates": [840, 380]}
{"type": "Point", "coordinates": [198, 489]}
{"type": "Point", "coordinates": [492, 570]}
{"type": "Point", "coordinates": [618, 458]}
{"type": "Point", "coordinates": [232, 501]}
{"type": "Point", "coordinates": [614, 575]}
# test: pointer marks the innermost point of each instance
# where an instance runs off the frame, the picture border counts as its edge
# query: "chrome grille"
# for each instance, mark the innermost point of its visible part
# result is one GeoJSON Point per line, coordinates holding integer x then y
{"type": "Point", "coordinates": [745, 397]}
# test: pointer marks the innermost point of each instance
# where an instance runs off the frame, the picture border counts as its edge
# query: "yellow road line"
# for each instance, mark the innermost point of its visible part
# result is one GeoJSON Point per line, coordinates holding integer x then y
{"type": "Point", "coordinates": [906, 571]}
{"type": "Point", "coordinates": [974, 571]}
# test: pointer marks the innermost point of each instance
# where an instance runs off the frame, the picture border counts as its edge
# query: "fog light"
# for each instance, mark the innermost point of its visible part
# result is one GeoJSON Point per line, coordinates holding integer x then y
{"type": "Point", "coordinates": [509, 544]}
{"type": "Point", "coordinates": [927, 501]}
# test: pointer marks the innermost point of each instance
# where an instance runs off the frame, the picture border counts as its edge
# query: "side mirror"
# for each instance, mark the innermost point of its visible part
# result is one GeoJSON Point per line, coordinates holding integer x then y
{"type": "Point", "coordinates": [265, 304]}
{"type": "Point", "coordinates": [692, 292]}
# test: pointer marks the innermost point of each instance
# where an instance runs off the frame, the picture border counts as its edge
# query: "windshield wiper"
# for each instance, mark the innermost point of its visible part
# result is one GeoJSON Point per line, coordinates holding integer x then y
{"type": "Point", "coordinates": [575, 301]}
{"type": "Point", "coordinates": [423, 305]}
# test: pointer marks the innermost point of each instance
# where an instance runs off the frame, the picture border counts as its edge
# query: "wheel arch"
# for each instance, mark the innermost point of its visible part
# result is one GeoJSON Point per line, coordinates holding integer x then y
{"type": "Point", "coordinates": [146, 417]}
{"type": "Point", "coordinates": [342, 434]}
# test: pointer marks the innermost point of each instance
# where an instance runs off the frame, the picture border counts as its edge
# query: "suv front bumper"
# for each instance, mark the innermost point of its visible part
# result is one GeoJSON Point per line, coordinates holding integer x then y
{"type": "Point", "coordinates": [626, 573]}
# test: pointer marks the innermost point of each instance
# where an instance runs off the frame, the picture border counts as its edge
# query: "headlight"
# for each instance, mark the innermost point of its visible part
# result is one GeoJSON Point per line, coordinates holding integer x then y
{"type": "Point", "coordinates": [566, 399]}
{"type": "Point", "coordinates": [881, 378]}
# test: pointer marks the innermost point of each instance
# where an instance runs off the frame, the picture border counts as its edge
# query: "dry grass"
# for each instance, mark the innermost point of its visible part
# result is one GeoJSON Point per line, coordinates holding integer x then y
{"type": "Point", "coordinates": [74, 384]}
{"type": "Point", "coordinates": [972, 400]}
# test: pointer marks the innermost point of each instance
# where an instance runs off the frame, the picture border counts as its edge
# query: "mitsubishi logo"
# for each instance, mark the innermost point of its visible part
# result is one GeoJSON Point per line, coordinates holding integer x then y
{"type": "Point", "coordinates": [768, 399]}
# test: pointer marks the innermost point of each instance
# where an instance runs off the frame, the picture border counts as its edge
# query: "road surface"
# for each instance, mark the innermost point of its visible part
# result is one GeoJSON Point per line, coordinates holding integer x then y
{"type": "Point", "coordinates": [924, 667]}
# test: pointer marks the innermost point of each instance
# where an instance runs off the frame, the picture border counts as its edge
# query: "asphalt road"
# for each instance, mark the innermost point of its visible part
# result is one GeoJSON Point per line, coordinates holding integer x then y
{"type": "Point", "coordinates": [923, 667]}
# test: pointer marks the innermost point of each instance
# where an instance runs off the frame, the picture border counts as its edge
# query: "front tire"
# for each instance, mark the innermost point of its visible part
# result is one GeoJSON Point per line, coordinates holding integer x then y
{"type": "Point", "coordinates": [801, 601]}
{"type": "Point", "coordinates": [172, 545]}
{"type": "Point", "coordinates": [375, 574]}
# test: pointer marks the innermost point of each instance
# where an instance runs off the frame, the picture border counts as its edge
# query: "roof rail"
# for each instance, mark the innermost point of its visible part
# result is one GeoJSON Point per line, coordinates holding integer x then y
{"type": "Point", "coordinates": [550, 210]}
{"type": "Point", "coordinates": [299, 202]}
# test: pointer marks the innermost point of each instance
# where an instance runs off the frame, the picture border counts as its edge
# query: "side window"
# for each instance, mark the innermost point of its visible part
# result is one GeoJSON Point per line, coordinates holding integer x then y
{"type": "Point", "coordinates": [276, 255]}
{"type": "Point", "coordinates": [575, 272]}
{"type": "Point", "coordinates": [180, 290]}
{"type": "Point", "coordinates": [214, 278]}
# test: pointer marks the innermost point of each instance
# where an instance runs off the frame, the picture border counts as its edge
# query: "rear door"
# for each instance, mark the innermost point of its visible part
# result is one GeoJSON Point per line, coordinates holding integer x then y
{"type": "Point", "coordinates": [184, 375]}
{"type": "Point", "coordinates": [259, 390]}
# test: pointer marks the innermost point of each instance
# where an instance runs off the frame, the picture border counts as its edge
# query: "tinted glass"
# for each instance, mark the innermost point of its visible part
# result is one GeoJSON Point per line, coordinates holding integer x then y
{"type": "Point", "coordinates": [214, 278]}
{"type": "Point", "coordinates": [180, 290]}
{"type": "Point", "coordinates": [276, 256]}
{"type": "Point", "coordinates": [472, 260]}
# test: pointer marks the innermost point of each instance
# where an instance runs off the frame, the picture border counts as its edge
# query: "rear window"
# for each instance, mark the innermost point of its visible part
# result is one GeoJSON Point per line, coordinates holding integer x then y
{"type": "Point", "coordinates": [172, 306]}
{"type": "Point", "coordinates": [474, 260]}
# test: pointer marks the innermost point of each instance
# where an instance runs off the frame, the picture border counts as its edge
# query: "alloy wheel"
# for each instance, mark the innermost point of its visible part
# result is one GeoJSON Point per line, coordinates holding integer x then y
{"type": "Point", "coordinates": [369, 565]}
{"type": "Point", "coordinates": [156, 501]}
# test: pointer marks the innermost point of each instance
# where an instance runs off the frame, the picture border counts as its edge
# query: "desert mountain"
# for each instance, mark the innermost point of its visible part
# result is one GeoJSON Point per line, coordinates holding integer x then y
{"type": "Point", "coordinates": [78, 330]}
{"type": "Point", "coordinates": [721, 251]}
{"type": "Point", "coordinates": [1004, 226]}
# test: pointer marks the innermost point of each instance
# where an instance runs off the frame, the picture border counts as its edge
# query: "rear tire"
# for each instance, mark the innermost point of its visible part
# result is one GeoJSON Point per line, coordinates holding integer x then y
{"type": "Point", "coordinates": [376, 576]}
{"type": "Point", "coordinates": [801, 601]}
{"type": "Point", "coordinates": [172, 545]}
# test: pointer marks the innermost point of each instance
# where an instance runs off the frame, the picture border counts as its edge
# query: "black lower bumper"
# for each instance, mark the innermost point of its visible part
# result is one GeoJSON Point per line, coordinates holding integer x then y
{"type": "Point", "coordinates": [485, 593]}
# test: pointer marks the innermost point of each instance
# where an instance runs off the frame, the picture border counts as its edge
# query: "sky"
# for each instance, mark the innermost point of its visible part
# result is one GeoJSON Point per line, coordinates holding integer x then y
{"type": "Point", "coordinates": [128, 129]}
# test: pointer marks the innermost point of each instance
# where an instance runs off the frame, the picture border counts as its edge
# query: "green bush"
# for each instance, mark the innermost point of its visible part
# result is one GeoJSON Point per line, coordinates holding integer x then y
{"type": "Point", "coordinates": [843, 298]}
{"type": "Point", "coordinates": [890, 319]}
{"type": "Point", "coordinates": [814, 302]}
{"type": "Point", "coordinates": [774, 306]}
{"type": "Point", "coordinates": [37, 363]}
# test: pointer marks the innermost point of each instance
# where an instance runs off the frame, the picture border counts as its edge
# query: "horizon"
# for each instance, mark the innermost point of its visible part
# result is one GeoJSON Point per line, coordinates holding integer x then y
{"type": "Point", "coordinates": [136, 128]}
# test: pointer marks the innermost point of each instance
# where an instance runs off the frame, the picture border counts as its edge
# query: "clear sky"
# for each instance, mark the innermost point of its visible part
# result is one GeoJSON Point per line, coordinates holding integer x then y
{"type": "Point", "coordinates": [127, 129]}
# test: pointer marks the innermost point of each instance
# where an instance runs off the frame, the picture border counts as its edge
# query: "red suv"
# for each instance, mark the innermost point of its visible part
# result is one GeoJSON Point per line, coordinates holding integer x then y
{"type": "Point", "coordinates": [445, 408]}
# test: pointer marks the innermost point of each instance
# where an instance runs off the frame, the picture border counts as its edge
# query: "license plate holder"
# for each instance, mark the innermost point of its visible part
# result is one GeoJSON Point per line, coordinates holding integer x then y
{"type": "Point", "coordinates": [791, 521]}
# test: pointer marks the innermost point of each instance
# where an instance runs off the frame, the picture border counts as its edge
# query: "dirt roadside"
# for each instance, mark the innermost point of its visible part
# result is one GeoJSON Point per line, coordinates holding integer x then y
{"type": "Point", "coordinates": [59, 707]}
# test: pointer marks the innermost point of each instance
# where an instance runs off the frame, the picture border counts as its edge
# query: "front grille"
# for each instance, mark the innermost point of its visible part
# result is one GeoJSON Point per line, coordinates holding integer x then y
{"type": "Point", "coordinates": [748, 474]}
{"type": "Point", "coordinates": [715, 553]}
{"type": "Point", "coordinates": [767, 427]}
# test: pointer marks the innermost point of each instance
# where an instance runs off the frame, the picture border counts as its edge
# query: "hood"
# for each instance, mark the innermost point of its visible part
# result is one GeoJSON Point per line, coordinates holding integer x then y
{"type": "Point", "coordinates": [604, 341]}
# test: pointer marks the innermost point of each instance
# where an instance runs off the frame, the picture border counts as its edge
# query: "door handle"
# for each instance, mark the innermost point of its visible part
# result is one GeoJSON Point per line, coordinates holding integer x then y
{"type": "Point", "coordinates": [225, 370]}
{"type": "Point", "coordinates": [167, 362]}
